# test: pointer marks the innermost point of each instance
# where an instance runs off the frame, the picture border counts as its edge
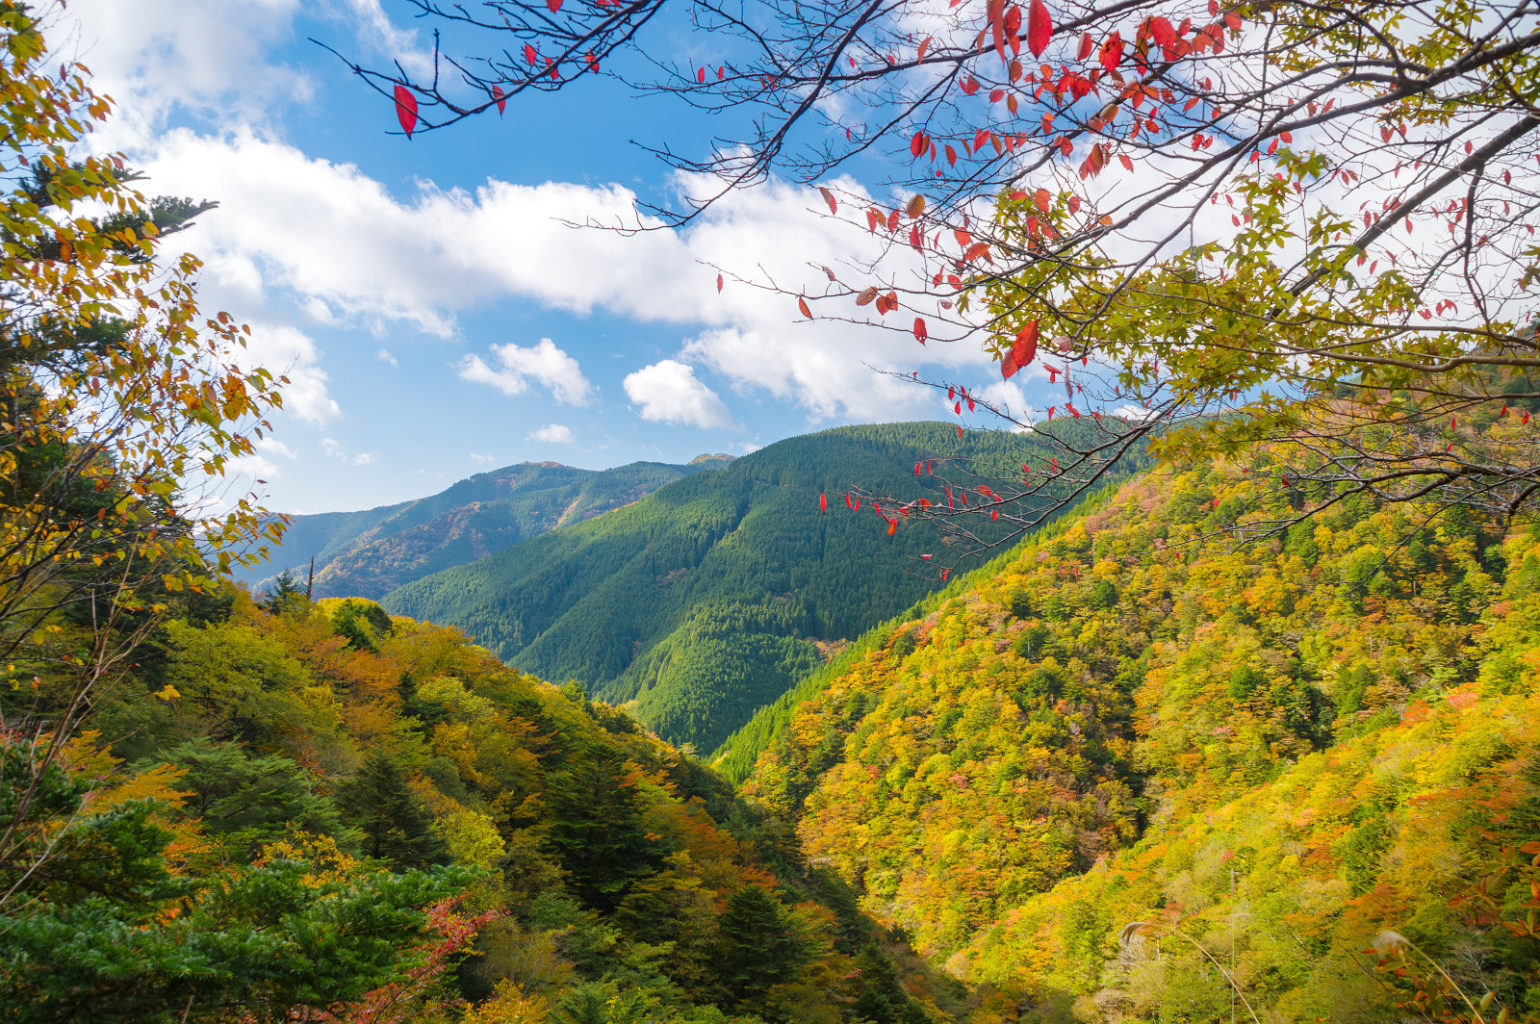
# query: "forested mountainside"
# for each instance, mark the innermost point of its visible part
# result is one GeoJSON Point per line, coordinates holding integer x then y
{"type": "Point", "coordinates": [711, 597]}
{"type": "Point", "coordinates": [316, 812]}
{"type": "Point", "coordinates": [1152, 748]}
{"type": "Point", "coordinates": [367, 553]}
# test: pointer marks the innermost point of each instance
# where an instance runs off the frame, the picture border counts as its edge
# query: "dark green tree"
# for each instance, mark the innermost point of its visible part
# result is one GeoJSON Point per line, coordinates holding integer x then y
{"type": "Point", "coordinates": [598, 831]}
{"type": "Point", "coordinates": [250, 800]}
{"type": "Point", "coordinates": [101, 930]}
{"type": "Point", "coordinates": [392, 819]}
{"type": "Point", "coordinates": [759, 945]}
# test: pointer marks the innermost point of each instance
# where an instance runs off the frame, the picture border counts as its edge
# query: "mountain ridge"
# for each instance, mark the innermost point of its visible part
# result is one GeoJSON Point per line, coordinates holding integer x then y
{"type": "Point", "coordinates": [368, 552]}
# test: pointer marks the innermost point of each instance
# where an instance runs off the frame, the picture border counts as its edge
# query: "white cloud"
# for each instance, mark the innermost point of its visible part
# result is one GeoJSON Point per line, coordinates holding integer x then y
{"type": "Point", "coordinates": [553, 433]}
{"type": "Point", "coordinates": [483, 459]}
{"type": "Point", "coordinates": [669, 392]}
{"type": "Point", "coordinates": [332, 448]}
{"type": "Point", "coordinates": [291, 353]}
{"type": "Point", "coordinates": [384, 355]}
{"type": "Point", "coordinates": [363, 459]}
{"type": "Point", "coordinates": [328, 233]}
{"type": "Point", "coordinates": [213, 59]}
{"type": "Point", "coordinates": [1006, 396]}
{"type": "Point", "coordinates": [543, 364]}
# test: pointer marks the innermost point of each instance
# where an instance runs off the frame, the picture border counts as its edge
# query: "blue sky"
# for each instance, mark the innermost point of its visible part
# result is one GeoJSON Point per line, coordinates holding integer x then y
{"type": "Point", "coordinates": [435, 318]}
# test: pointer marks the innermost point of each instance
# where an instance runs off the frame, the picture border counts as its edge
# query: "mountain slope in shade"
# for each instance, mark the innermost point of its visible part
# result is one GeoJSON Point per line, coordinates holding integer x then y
{"type": "Point", "coordinates": [712, 596]}
{"type": "Point", "coordinates": [367, 553]}
{"type": "Point", "coordinates": [1140, 737]}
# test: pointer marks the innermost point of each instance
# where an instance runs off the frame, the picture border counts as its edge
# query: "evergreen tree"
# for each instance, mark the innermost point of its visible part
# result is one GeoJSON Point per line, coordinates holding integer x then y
{"type": "Point", "coordinates": [393, 821]}
{"type": "Point", "coordinates": [598, 830]}
{"type": "Point", "coordinates": [759, 945]}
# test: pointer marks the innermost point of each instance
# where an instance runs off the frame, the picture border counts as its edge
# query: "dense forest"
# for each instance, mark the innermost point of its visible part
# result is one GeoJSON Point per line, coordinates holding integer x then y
{"type": "Point", "coordinates": [367, 553]}
{"type": "Point", "coordinates": [1162, 759]}
{"type": "Point", "coordinates": [317, 811]}
{"type": "Point", "coordinates": [712, 596]}
{"type": "Point", "coordinates": [1231, 714]}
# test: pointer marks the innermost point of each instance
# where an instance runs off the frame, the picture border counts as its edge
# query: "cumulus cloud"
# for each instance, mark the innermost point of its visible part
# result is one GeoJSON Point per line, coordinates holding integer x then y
{"type": "Point", "coordinates": [331, 235]}
{"type": "Point", "coordinates": [385, 355]}
{"type": "Point", "coordinates": [291, 353]}
{"type": "Point", "coordinates": [214, 60]}
{"type": "Point", "coordinates": [517, 368]}
{"type": "Point", "coordinates": [668, 392]}
{"type": "Point", "coordinates": [482, 458]}
{"type": "Point", "coordinates": [553, 433]}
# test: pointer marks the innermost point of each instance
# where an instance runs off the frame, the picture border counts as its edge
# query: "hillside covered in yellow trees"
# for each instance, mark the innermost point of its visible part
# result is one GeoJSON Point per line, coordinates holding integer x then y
{"type": "Point", "coordinates": [1146, 768]}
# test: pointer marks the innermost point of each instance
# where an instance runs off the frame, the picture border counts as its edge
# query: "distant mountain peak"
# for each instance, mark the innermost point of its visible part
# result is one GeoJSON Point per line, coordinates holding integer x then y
{"type": "Point", "coordinates": [722, 457]}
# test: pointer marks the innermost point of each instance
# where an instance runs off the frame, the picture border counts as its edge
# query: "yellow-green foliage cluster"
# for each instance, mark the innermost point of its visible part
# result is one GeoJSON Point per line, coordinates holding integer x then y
{"type": "Point", "coordinates": [615, 880]}
{"type": "Point", "coordinates": [1284, 745]}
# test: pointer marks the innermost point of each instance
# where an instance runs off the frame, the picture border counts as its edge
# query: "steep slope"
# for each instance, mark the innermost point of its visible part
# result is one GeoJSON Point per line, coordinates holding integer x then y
{"type": "Point", "coordinates": [366, 553]}
{"type": "Point", "coordinates": [710, 597]}
{"type": "Point", "coordinates": [1277, 748]}
{"type": "Point", "coordinates": [278, 820]}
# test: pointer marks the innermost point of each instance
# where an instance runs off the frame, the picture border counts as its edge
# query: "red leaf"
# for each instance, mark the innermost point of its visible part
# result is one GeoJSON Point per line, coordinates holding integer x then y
{"type": "Point", "coordinates": [553, 5]}
{"type": "Point", "coordinates": [1087, 44]}
{"type": "Point", "coordinates": [502, 101]}
{"type": "Point", "coordinates": [924, 45]}
{"type": "Point", "coordinates": [529, 53]}
{"type": "Point", "coordinates": [1022, 352]}
{"type": "Point", "coordinates": [802, 307]}
{"type": "Point", "coordinates": [828, 197]}
{"type": "Point", "coordinates": [1112, 52]}
{"type": "Point", "coordinates": [406, 109]}
{"type": "Point", "coordinates": [719, 282]}
{"type": "Point", "coordinates": [917, 467]}
{"type": "Point", "coordinates": [944, 574]}
{"type": "Point", "coordinates": [917, 145]}
{"type": "Point", "coordinates": [700, 75]}
{"type": "Point", "coordinates": [920, 335]}
{"type": "Point", "coordinates": [892, 527]}
{"type": "Point", "coordinates": [823, 502]}
{"type": "Point", "coordinates": [1039, 28]}
{"type": "Point", "coordinates": [1043, 200]}
{"type": "Point", "coordinates": [996, 12]}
